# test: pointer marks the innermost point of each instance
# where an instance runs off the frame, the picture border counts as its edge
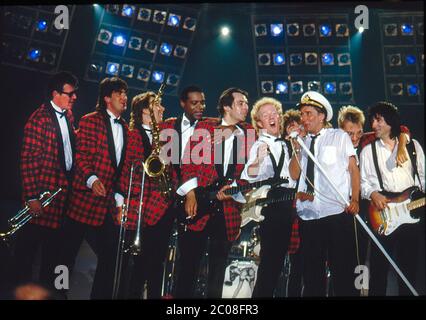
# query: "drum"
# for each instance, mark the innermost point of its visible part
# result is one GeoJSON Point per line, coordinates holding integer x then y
{"type": "Point", "coordinates": [240, 278]}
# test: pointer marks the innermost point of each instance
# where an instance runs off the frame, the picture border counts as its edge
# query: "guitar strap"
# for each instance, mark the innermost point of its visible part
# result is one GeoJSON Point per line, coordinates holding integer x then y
{"type": "Point", "coordinates": [278, 167]}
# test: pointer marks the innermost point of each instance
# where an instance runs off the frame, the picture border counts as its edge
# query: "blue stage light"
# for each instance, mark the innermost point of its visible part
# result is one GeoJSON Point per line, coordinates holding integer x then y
{"type": "Point", "coordinates": [276, 29]}
{"type": "Point", "coordinates": [119, 40]}
{"type": "Point", "coordinates": [127, 11]}
{"type": "Point", "coordinates": [174, 20]}
{"type": "Point", "coordinates": [279, 59]}
{"type": "Point", "coordinates": [410, 59]}
{"type": "Point", "coordinates": [34, 55]}
{"type": "Point", "coordinates": [330, 88]}
{"type": "Point", "coordinates": [412, 89]}
{"type": "Point", "coordinates": [325, 30]}
{"type": "Point", "coordinates": [112, 68]}
{"type": "Point", "coordinates": [158, 76]}
{"type": "Point", "coordinates": [406, 29]}
{"type": "Point", "coordinates": [41, 25]}
{"type": "Point", "coordinates": [166, 49]}
{"type": "Point", "coordinates": [282, 87]}
{"type": "Point", "coordinates": [327, 59]}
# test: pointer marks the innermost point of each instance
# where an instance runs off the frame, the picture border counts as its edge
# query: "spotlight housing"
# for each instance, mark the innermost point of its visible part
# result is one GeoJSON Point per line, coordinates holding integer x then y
{"type": "Point", "coordinates": [296, 87]}
{"type": "Point", "coordinates": [174, 20]}
{"type": "Point", "coordinates": [112, 68]}
{"type": "Point", "coordinates": [127, 70]}
{"type": "Point", "coordinates": [135, 43]}
{"type": "Point", "coordinates": [311, 58]}
{"type": "Point", "coordinates": [309, 30]}
{"type": "Point", "coordinates": [396, 89]}
{"type": "Point", "coordinates": [189, 24]}
{"type": "Point", "coordinates": [345, 88]}
{"type": "Point", "coordinates": [172, 80]}
{"type": "Point", "coordinates": [180, 51]}
{"type": "Point", "coordinates": [413, 89]}
{"type": "Point", "coordinates": [104, 36]}
{"type": "Point", "coordinates": [143, 74]}
{"type": "Point", "coordinates": [394, 59]}
{"type": "Point", "coordinates": [293, 29]}
{"type": "Point", "coordinates": [391, 30]}
{"type": "Point", "coordinates": [343, 59]}
{"type": "Point", "coordinates": [342, 30]}
{"type": "Point", "coordinates": [281, 87]}
{"type": "Point", "coordinates": [260, 30]}
{"type": "Point", "coordinates": [296, 59]}
{"type": "Point", "coordinates": [264, 59]}
{"type": "Point", "coordinates": [159, 17]}
{"type": "Point", "coordinates": [314, 86]}
{"type": "Point", "coordinates": [276, 29]}
{"type": "Point", "coordinates": [144, 14]}
{"type": "Point", "coordinates": [325, 30]}
{"type": "Point", "coordinates": [330, 87]}
{"type": "Point", "coordinates": [157, 76]}
{"type": "Point", "coordinates": [278, 58]}
{"type": "Point", "coordinates": [267, 86]}
{"type": "Point", "coordinates": [327, 59]}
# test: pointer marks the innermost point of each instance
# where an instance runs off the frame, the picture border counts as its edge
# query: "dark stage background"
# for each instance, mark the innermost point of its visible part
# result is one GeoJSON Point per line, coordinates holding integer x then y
{"type": "Point", "coordinates": [212, 64]}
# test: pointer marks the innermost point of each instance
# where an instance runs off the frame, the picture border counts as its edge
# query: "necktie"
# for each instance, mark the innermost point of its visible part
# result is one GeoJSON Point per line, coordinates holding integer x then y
{"type": "Point", "coordinates": [62, 114]}
{"type": "Point", "coordinates": [280, 139]}
{"type": "Point", "coordinates": [310, 167]}
{"type": "Point", "coordinates": [116, 120]}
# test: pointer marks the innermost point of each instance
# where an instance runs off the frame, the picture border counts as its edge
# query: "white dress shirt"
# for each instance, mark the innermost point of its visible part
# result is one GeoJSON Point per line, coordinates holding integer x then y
{"type": "Point", "coordinates": [395, 178]}
{"type": "Point", "coordinates": [333, 149]}
{"type": "Point", "coordinates": [187, 131]}
{"type": "Point", "coordinates": [65, 136]}
{"type": "Point", "coordinates": [266, 169]}
{"type": "Point", "coordinates": [117, 134]}
{"type": "Point", "coordinates": [148, 131]}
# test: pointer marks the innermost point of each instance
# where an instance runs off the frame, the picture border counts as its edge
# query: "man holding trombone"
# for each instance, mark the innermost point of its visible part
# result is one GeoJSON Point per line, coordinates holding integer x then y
{"type": "Point", "coordinates": [47, 162]}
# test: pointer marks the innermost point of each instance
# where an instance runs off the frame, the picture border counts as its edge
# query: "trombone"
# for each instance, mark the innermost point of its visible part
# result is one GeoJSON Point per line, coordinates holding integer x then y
{"type": "Point", "coordinates": [23, 216]}
{"type": "Point", "coordinates": [135, 248]}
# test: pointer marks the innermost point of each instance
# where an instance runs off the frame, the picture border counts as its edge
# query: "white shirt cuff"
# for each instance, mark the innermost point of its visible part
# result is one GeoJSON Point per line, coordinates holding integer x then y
{"type": "Point", "coordinates": [90, 181]}
{"type": "Point", "coordinates": [119, 200]}
{"type": "Point", "coordinates": [238, 196]}
{"type": "Point", "coordinates": [187, 186]}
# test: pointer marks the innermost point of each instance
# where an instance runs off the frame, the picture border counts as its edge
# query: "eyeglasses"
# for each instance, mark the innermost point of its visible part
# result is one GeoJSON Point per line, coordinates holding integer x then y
{"type": "Point", "coordinates": [70, 94]}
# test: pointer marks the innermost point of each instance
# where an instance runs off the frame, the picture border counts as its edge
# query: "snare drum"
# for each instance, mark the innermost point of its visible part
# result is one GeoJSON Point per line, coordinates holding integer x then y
{"type": "Point", "coordinates": [240, 278]}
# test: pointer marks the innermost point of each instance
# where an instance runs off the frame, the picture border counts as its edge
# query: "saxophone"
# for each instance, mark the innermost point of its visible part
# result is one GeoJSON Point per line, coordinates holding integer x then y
{"type": "Point", "coordinates": [154, 166]}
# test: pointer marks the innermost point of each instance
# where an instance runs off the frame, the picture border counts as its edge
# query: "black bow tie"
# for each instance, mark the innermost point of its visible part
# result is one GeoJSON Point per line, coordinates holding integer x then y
{"type": "Point", "coordinates": [62, 114]}
{"type": "Point", "coordinates": [190, 122]}
{"type": "Point", "coordinates": [147, 130]}
{"type": "Point", "coordinates": [116, 120]}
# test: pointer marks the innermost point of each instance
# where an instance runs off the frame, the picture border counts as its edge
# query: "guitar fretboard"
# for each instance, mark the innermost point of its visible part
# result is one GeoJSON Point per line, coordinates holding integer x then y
{"type": "Point", "coordinates": [416, 204]}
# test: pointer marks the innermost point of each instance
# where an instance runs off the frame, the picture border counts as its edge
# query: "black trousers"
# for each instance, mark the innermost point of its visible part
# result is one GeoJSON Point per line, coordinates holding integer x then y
{"type": "Point", "coordinates": [148, 267]}
{"type": "Point", "coordinates": [403, 246]}
{"type": "Point", "coordinates": [329, 238]}
{"type": "Point", "coordinates": [192, 245]}
{"type": "Point", "coordinates": [275, 232]}
{"type": "Point", "coordinates": [105, 247]}
{"type": "Point", "coordinates": [29, 240]}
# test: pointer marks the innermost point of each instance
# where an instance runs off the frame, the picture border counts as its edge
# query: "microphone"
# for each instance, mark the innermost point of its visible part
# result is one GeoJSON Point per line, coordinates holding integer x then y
{"type": "Point", "coordinates": [294, 134]}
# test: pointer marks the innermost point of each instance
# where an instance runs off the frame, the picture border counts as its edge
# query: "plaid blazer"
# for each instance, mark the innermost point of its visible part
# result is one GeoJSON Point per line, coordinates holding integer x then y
{"type": "Point", "coordinates": [42, 163]}
{"type": "Point", "coordinates": [207, 174]}
{"type": "Point", "coordinates": [95, 155]}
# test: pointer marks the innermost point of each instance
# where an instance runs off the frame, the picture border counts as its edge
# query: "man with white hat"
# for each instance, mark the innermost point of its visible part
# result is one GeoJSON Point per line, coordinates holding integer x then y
{"type": "Point", "coordinates": [327, 226]}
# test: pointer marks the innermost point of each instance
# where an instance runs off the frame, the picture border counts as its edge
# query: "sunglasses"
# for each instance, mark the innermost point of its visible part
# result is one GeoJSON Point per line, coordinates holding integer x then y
{"type": "Point", "coordinates": [70, 94]}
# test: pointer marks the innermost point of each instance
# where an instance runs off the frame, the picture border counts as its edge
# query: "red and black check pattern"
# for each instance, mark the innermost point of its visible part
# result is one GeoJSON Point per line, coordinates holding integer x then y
{"type": "Point", "coordinates": [93, 158]}
{"type": "Point", "coordinates": [294, 244]}
{"type": "Point", "coordinates": [206, 174]}
{"type": "Point", "coordinates": [369, 137]}
{"type": "Point", "coordinates": [40, 164]}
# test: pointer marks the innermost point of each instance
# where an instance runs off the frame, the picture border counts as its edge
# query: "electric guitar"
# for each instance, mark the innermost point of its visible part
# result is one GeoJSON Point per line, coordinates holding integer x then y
{"type": "Point", "coordinates": [207, 203]}
{"type": "Point", "coordinates": [398, 212]}
{"type": "Point", "coordinates": [257, 200]}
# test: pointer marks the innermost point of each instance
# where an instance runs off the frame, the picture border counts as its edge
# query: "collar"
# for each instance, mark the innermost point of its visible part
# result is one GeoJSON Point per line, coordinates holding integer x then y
{"type": "Point", "coordinates": [225, 124]}
{"type": "Point", "coordinates": [318, 134]}
{"type": "Point", "coordinates": [112, 116]}
{"type": "Point", "coordinates": [146, 127]}
{"type": "Point", "coordinates": [268, 136]}
{"type": "Point", "coordinates": [58, 109]}
{"type": "Point", "coordinates": [186, 122]}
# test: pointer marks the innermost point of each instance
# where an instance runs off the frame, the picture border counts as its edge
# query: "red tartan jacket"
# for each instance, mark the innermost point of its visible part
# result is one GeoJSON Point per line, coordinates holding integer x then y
{"type": "Point", "coordinates": [369, 137]}
{"type": "Point", "coordinates": [95, 155]}
{"type": "Point", "coordinates": [42, 164]}
{"type": "Point", "coordinates": [206, 174]}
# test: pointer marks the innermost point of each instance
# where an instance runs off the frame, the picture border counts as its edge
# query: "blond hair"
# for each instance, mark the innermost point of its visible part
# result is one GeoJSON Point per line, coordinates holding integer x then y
{"type": "Point", "coordinates": [260, 103]}
{"type": "Point", "coordinates": [352, 114]}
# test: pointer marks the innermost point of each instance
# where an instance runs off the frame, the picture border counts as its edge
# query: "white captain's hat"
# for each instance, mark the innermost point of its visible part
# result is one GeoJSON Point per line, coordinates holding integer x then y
{"type": "Point", "coordinates": [313, 98]}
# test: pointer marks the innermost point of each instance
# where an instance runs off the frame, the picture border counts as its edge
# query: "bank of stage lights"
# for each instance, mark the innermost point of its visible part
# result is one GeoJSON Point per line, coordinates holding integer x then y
{"type": "Point", "coordinates": [411, 89]}
{"type": "Point", "coordinates": [295, 29]}
{"type": "Point", "coordinates": [402, 29]}
{"type": "Point", "coordinates": [297, 87]}
{"type": "Point", "coordinates": [172, 20]}
{"type": "Point", "coordinates": [306, 58]}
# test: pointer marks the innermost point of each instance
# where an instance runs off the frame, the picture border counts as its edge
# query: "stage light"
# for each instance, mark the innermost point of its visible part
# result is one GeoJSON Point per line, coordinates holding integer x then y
{"type": "Point", "coordinates": [49, 57]}
{"type": "Point", "coordinates": [157, 76]}
{"type": "Point", "coordinates": [407, 29]}
{"type": "Point", "coordinates": [127, 10]}
{"type": "Point", "coordinates": [420, 29]}
{"type": "Point", "coordinates": [166, 49]}
{"type": "Point", "coordinates": [127, 70]}
{"type": "Point", "coordinates": [41, 26]}
{"type": "Point", "coordinates": [413, 89]}
{"type": "Point", "coordinates": [396, 89]}
{"type": "Point", "coordinates": [104, 36]}
{"type": "Point", "coordinates": [278, 58]}
{"type": "Point", "coordinates": [174, 20]}
{"type": "Point", "coordinates": [180, 51]}
{"type": "Point", "coordinates": [34, 54]}
{"type": "Point", "coordinates": [143, 74]}
{"type": "Point", "coordinates": [266, 86]}
{"type": "Point", "coordinates": [345, 88]}
{"type": "Point", "coordinates": [330, 88]}
{"type": "Point", "coordinates": [296, 59]}
{"type": "Point", "coordinates": [119, 40]}
{"type": "Point", "coordinates": [296, 87]}
{"type": "Point", "coordinates": [391, 30]}
{"type": "Point", "coordinates": [276, 29]}
{"type": "Point", "coordinates": [159, 17]}
{"type": "Point", "coordinates": [172, 80]}
{"type": "Point", "coordinates": [189, 24]}
{"type": "Point", "coordinates": [314, 86]}
{"type": "Point", "coordinates": [144, 14]}
{"type": "Point", "coordinates": [293, 29]}
{"type": "Point", "coordinates": [394, 59]}
{"type": "Point", "coordinates": [327, 59]}
{"type": "Point", "coordinates": [135, 43]}
{"type": "Point", "coordinates": [311, 58]}
{"type": "Point", "coordinates": [150, 46]}
{"type": "Point", "coordinates": [260, 30]}
{"type": "Point", "coordinates": [342, 30]}
{"type": "Point", "coordinates": [343, 59]}
{"type": "Point", "coordinates": [112, 68]}
{"type": "Point", "coordinates": [264, 59]}
{"type": "Point", "coordinates": [224, 31]}
{"type": "Point", "coordinates": [113, 8]}
{"type": "Point", "coordinates": [325, 30]}
{"type": "Point", "coordinates": [95, 68]}
{"type": "Point", "coordinates": [410, 59]}
{"type": "Point", "coordinates": [309, 30]}
{"type": "Point", "coordinates": [282, 87]}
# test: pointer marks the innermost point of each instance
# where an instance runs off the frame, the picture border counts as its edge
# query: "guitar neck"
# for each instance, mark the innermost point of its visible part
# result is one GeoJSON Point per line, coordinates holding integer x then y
{"type": "Point", "coordinates": [416, 204]}
{"type": "Point", "coordinates": [253, 185]}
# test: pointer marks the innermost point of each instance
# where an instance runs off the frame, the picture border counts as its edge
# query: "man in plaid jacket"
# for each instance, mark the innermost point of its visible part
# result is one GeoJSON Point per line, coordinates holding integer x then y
{"type": "Point", "coordinates": [222, 228]}
{"type": "Point", "coordinates": [47, 162]}
{"type": "Point", "coordinates": [100, 152]}
{"type": "Point", "coordinates": [158, 210]}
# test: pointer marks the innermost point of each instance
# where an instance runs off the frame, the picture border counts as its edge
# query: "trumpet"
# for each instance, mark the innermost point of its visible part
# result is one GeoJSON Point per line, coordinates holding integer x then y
{"type": "Point", "coordinates": [24, 216]}
{"type": "Point", "coordinates": [135, 248]}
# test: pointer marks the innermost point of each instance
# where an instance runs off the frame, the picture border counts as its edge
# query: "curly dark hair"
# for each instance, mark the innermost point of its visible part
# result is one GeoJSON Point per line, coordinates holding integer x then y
{"type": "Point", "coordinates": [390, 113]}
